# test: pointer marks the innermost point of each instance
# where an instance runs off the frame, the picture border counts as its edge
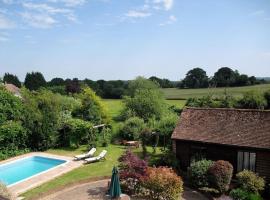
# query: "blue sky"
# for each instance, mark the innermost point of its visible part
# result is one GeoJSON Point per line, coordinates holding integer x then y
{"type": "Point", "coordinates": [121, 39]}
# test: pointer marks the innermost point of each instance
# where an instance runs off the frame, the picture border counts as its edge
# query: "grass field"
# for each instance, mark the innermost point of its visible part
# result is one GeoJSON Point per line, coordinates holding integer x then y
{"type": "Point", "coordinates": [93, 170]}
{"type": "Point", "coordinates": [174, 93]}
{"type": "Point", "coordinates": [114, 106]}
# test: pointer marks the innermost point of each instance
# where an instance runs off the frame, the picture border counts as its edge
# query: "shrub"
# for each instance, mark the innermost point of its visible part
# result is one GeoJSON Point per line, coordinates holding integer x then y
{"type": "Point", "coordinates": [253, 100]}
{"type": "Point", "coordinates": [131, 166]}
{"type": "Point", "coordinates": [162, 183]}
{"type": "Point", "coordinates": [131, 170]}
{"type": "Point", "coordinates": [13, 139]}
{"type": "Point", "coordinates": [240, 194]}
{"type": "Point", "coordinates": [132, 128]}
{"type": "Point", "coordinates": [197, 173]}
{"type": "Point", "coordinates": [4, 193]}
{"type": "Point", "coordinates": [250, 182]}
{"type": "Point", "coordinates": [220, 175]}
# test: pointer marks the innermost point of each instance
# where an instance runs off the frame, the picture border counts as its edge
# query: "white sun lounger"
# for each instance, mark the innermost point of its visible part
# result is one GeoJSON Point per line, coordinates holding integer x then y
{"type": "Point", "coordinates": [97, 158]}
{"type": "Point", "coordinates": [87, 155]}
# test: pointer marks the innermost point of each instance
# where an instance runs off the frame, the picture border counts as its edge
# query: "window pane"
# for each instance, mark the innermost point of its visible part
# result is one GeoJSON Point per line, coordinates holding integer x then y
{"type": "Point", "coordinates": [240, 161]}
{"type": "Point", "coordinates": [246, 160]}
{"type": "Point", "coordinates": [252, 161]}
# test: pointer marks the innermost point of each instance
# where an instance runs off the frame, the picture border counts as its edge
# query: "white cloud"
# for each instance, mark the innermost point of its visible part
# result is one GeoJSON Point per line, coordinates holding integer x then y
{"type": "Point", "coordinates": [45, 8]}
{"type": "Point", "coordinates": [42, 15]}
{"type": "Point", "coordinates": [167, 4]}
{"type": "Point", "coordinates": [137, 14]}
{"type": "Point", "coordinates": [69, 3]}
{"type": "Point", "coordinates": [172, 19]}
{"type": "Point", "coordinates": [38, 20]}
{"type": "Point", "coordinates": [5, 23]}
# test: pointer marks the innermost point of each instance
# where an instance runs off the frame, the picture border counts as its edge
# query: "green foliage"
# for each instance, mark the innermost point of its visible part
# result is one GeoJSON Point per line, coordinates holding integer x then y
{"type": "Point", "coordinates": [205, 102]}
{"type": "Point", "coordinates": [73, 86]}
{"type": "Point", "coordinates": [34, 81]}
{"type": "Point", "coordinates": [140, 83]}
{"type": "Point", "coordinates": [13, 79]}
{"type": "Point", "coordinates": [42, 116]}
{"type": "Point", "coordinates": [60, 89]}
{"type": "Point", "coordinates": [163, 83]}
{"type": "Point", "coordinates": [80, 131]}
{"type": "Point", "coordinates": [166, 126]}
{"type": "Point", "coordinates": [240, 194]}
{"type": "Point", "coordinates": [195, 78]}
{"type": "Point", "coordinates": [56, 82]}
{"type": "Point", "coordinates": [13, 139]}
{"type": "Point", "coordinates": [267, 97]}
{"type": "Point", "coordinates": [220, 175]}
{"type": "Point", "coordinates": [146, 103]}
{"type": "Point", "coordinates": [5, 193]}
{"type": "Point", "coordinates": [249, 181]}
{"type": "Point", "coordinates": [10, 106]}
{"type": "Point", "coordinates": [198, 173]}
{"type": "Point", "coordinates": [162, 183]}
{"type": "Point", "coordinates": [132, 128]}
{"type": "Point", "coordinates": [92, 108]}
{"type": "Point", "coordinates": [253, 100]}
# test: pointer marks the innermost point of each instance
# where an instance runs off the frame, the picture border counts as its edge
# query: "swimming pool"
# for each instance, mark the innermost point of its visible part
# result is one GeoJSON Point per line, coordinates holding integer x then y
{"type": "Point", "coordinates": [22, 169]}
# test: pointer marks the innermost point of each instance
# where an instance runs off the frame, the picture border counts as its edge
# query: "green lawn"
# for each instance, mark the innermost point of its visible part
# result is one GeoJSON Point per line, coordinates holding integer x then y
{"type": "Point", "coordinates": [97, 169]}
{"type": "Point", "coordinates": [93, 170]}
{"type": "Point", "coordinates": [174, 93]}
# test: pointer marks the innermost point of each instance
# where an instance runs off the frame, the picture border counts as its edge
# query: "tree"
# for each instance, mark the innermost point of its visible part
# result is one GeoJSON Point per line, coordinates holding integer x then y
{"type": "Point", "coordinates": [92, 108]}
{"type": "Point", "coordinates": [57, 82]}
{"type": "Point", "coordinates": [42, 112]}
{"type": "Point", "coordinates": [13, 79]}
{"type": "Point", "coordinates": [140, 83]}
{"type": "Point", "coordinates": [145, 101]}
{"type": "Point", "coordinates": [11, 107]}
{"type": "Point", "coordinates": [73, 86]}
{"type": "Point", "coordinates": [34, 81]}
{"type": "Point", "coordinates": [196, 78]}
{"type": "Point", "coordinates": [224, 77]}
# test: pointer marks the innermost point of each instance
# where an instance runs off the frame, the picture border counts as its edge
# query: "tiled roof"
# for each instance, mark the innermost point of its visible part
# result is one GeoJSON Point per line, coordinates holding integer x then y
{"type": "Point", "coordinates": [246, 128]}
{"type": "Point", "coordinates": [12, 88]}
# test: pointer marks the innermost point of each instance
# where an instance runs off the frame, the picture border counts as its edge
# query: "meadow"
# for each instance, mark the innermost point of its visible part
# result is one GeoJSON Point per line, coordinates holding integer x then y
{"type": "Point", "coordinates": [114, 106]}
{"type": "Point", "coordinates": [175, 93]}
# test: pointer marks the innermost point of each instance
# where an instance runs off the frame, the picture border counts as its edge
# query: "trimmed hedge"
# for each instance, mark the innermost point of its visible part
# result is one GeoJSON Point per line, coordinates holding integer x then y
{"type": "Point", "coordinates": [162, 183]}
{"type": "Point", "coordinates": [220, 175]}
{"type": "Point", "coordinates": [197, 173]}
{"type": "Point", "coordinates": [251, 182]}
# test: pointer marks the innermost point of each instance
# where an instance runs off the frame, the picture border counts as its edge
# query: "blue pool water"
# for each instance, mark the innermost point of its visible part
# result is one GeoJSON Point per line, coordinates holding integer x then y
{"type": "Point", "coordinates": [19, 170]}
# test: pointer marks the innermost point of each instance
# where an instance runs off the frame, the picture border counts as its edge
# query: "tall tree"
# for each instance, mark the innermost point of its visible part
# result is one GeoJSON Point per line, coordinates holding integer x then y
{"type": "Point", "coordinates": [34, 81]}
{"type": "Point", "coordinates": [13, 79]}
{"type": "Point", "coordinates": [73, 86]}
{"type": "Point", "coordinates": [145, 99]}
{"type": "Point", "coordinates": [57, 82]}
{"type": "Point", "coordinates": [224, 77]}
{"type": "Point", "coordinates": [196, 78]}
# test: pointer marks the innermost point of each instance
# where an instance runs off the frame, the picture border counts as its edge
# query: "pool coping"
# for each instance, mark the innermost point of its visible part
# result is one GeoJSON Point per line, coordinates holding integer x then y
{"type": "Point", "coordinates": [42, 177]}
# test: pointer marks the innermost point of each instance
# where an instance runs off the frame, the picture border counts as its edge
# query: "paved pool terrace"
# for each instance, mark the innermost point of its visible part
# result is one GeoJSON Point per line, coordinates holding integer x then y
{"type": "Point", "coordinates": [45, 176]}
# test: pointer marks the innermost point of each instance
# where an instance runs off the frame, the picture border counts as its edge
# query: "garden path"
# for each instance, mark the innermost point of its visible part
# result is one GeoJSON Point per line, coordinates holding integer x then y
{"type": "Point", "coordinates": [96, 191]}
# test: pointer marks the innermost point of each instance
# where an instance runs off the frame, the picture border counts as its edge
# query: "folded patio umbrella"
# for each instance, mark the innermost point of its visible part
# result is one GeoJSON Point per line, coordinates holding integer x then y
{"type": "Point", "coordinates": [115, 189]}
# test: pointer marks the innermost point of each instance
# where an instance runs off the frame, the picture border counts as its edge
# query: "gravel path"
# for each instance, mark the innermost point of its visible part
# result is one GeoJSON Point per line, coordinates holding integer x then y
{"type": "Point", "coordinates": [96, 191]}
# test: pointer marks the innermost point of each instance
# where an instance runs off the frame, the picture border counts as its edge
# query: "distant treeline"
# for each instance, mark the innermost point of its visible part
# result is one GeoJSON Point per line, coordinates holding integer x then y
{"type": "Point", "coordinates": [115, 89]}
